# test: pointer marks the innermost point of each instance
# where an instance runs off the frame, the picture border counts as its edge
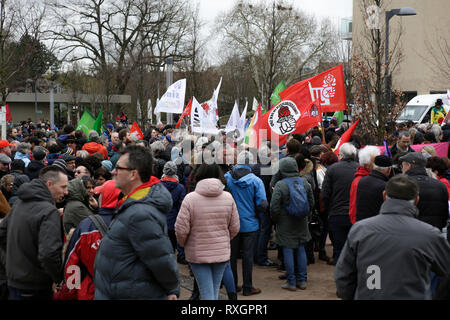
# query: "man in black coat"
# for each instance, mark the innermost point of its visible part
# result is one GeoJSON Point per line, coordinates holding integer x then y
{"type": "Point", "coordinates": [369, 196]}
{"type": "Point", "coordinates": [433, 203]}
{"type": "Point", "coordinates": [32, 237]}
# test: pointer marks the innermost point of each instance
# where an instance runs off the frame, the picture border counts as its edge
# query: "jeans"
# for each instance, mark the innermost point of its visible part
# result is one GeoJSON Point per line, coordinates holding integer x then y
{"type": "Point", "coordinates": [263, 237]}
{"type": "Point", "coordinates": [208, 277]}
{"type": "Point", "coordinates": [176, 247]}
{"type": "Point", "coordinates": [19, 294]}
{"type": "Point", "coordinates": [293, 277]}
{"type": "Point", "coordinates": [245, 241]}
{"type": "Point", "coordinates": [228, 279]}
{"type": "Point", "coordinates": [339, 227]}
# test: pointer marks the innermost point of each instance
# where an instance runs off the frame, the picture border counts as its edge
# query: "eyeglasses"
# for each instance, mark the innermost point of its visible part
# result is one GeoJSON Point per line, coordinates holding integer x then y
{"type": "Point", "coordinates": [122, 168]}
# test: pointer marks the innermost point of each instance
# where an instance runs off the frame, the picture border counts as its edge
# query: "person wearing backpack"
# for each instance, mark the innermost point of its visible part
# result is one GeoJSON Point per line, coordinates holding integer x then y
{"type": "Point", "coordinates": [292, 200]}
{"type": "Point", "coordinates": [84, 243]}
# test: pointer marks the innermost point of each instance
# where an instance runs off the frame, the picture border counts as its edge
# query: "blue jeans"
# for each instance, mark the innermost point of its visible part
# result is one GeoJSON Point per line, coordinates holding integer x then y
{"type": "Point", "coordinates": [245, 241]}
{"type": "Point", "coordinates": [339, 227]}
{"type": "Point", "coordinates": [301, 261]}
{"type": "Point", "coordinates": [208, 277]}
{"type": "Point", "coordinates": [228, 279]}
{"type": "Point", "coordinates": [263, 237]}
{"type": "Point", "coordinates": [19, 294]}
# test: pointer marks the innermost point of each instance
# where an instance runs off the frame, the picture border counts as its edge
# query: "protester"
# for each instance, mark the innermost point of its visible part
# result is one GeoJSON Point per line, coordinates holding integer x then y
{"type": "Point", "coordinates": [207, 221]}
{"type": "Point", "coordinates": [23, 153]}
{"type": "Point", "coordinates": [31, 235]}
{"type": "Point", "coordinates": [136, 260]}
{"type": "Point", "coordinates": [37, 164]}
{"type": "Point", "coordinates": [94, 145]}
{"type": "Point", "coordinates": [403, 144]}
{"type": "Point", "coordinates": [369, 269]}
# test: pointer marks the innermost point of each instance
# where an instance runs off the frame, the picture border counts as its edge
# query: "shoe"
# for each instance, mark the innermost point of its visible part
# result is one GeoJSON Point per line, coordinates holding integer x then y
{"type": "Point", "coordinates": [238, 288]}
{"type": "Point", "coordinates": [310, 260]}
{"type": "Point", "coordinates": [331, 262]}
{"type": "Point", "coordinates": [267, 263]}
{"type": "Point", "coordinates": [282, 277]}
{"type": "Point", "coordinates": [323, 256]}
{"type": "Point", "coordinates": [289, 287]}
{"type": "Point", "coordinates": [301, 285]}
{"type": "Point", "coordinates": [232, 296]}
{"type": "Point", "coordinates": [251, 292]}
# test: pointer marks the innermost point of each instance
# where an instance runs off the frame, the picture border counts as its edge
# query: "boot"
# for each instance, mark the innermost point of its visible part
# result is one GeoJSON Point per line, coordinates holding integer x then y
{"type": "Point", "coordinates": [232, 296]}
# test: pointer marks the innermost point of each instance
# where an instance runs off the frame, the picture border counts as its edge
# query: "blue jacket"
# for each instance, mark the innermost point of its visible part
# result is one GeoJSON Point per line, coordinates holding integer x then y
{"type": "Point", "coordinates": [249, 194]}
{"type": "Point", "coordinates": [24, 157]}
{"type": "Point", "coordinates": [178, 193]}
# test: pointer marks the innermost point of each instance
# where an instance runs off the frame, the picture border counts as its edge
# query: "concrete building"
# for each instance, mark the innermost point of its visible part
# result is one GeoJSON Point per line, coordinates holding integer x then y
{"type": "Point", "coordinates": [422, 34]}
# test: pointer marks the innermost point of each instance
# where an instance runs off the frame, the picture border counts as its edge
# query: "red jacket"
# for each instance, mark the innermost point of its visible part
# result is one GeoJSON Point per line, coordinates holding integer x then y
{"type": "Point", "coordinates": [94, 147]}
{"type": "Point", "coordinates": [360, 172]}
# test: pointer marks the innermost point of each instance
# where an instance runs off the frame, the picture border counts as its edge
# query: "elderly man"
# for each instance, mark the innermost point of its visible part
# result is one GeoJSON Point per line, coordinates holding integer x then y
{"type": "Point", "coordinates": [336, 197]}
{"type": "Point", "coordinates": [390, 256]}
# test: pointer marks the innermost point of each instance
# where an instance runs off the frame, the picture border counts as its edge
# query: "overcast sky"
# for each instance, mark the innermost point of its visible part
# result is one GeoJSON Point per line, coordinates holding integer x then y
{"type": "Point", "coordinates": [333, 9]}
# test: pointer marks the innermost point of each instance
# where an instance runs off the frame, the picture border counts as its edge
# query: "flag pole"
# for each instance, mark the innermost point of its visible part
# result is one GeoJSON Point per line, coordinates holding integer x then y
{"type": "Point", "coordinates": [321, 116]}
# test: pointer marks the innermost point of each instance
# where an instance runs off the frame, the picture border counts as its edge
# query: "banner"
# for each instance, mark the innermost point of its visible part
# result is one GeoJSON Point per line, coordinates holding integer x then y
{"type": "Point", "coordinates": [328, 87]}
{"type": "Point", "coordinates": [86, 123]}
{"type": "Point", "coordinates": [200, 122]}
{"type": "Point", "coordinates": [345, 137]}
{"type": "Point", "coordinates": [234, 120]}
{"type": "Point", "coordinates": [173, 99]}
{"type": "Point", "coordinates": [441, 148]}
{"type": "Point", "coordinates": [8, 113]}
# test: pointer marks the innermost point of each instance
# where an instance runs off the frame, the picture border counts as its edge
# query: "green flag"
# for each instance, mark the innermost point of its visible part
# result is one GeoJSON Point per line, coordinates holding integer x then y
{"type": "Point", "coordinates": [339, 116]}
{"type": "Point", "coordinates": [98, 123]}
{"type": "Point", "coordinates": [275, 98]}
{"type": "Point", "coordinates": [86, 122]}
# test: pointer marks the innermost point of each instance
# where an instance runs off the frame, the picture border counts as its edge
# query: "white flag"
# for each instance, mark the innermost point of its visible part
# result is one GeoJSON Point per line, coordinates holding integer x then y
{"type": "Point", "coordinates": [214, 112]}
{"type": "Point", "coordinates": [158, 115]}
{"type": "Point", "coordinates": [138, 107]}
{"type": "Point", "coordinates": [255, 104]}
{"type": "Point", "coordinates": [173, 100]}
{"type": "Point", "coordinates": [149, 111]}
{"type": "Point", "coordinates": [234, 121]}
{"type": "Point", "coordinates": [244, 115]}
{"type": "Point", "coordinates": [200, 121]}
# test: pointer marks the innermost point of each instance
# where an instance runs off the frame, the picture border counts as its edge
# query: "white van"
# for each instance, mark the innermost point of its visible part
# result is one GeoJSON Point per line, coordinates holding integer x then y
{"type": "Point", "coordinates": [418, 109]}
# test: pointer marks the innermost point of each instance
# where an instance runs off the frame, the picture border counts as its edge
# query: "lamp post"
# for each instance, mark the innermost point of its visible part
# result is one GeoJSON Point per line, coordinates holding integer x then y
{"type": "Point", "coordinates": [406, 11]}
{"type": "Point", "coordinates": [35, 98]}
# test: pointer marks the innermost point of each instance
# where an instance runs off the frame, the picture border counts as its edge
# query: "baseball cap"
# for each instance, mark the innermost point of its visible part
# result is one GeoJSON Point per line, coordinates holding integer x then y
{"type": "Point", "coordinates": [416, 158]}
{"type": "Point", "coordinates": [109, 125]}
{"type": "Point", "coordinates": [5, 143]}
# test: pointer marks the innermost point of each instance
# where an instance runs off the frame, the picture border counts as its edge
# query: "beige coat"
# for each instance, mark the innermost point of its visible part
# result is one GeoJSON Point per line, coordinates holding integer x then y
{"type": "Point", "coordinates": [207, 221]}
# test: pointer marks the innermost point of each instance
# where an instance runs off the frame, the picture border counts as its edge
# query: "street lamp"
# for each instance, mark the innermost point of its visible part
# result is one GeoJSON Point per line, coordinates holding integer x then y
{"type": "Point", "coordinates": [389, 14]}
{"type": "Point", "coordinates": [35, 98]}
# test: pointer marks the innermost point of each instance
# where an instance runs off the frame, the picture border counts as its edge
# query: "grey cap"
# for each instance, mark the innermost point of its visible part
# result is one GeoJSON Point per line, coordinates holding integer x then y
{"type": "Point", "coordinates": [416, 158]}
{"type": "Point", "coordinates": [170, 169]}
{"type": "Point", "coordinates": [4, 159]}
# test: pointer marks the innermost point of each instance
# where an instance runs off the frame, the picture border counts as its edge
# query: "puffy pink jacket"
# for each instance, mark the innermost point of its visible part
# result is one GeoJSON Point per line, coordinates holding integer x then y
{"type": "Point", "coordinates": [207, 221]}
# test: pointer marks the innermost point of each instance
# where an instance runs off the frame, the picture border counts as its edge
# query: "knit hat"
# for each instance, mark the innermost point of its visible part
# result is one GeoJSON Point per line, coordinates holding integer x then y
{"type": "Point", "coordinates": [60, 163]}
{"type": "Point", "coordinates": [108, 165]}
{"type": "Point", "coordinates": [383, 161]}
{"type": "Point", "coordinates": [316, 141]}
{"type": "Point", "coordinates": [316, 150]}
{"type": "Point", "coordinates": [4, 159]}
{"type": "Point", "coordinates": [110, 126]}
{"type": "Point", "coordinates": [170, 169]}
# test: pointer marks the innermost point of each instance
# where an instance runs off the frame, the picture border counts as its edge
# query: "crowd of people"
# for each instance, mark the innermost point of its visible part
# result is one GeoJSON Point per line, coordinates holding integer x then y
{"type": "Point", "coordinates": [111, 217]}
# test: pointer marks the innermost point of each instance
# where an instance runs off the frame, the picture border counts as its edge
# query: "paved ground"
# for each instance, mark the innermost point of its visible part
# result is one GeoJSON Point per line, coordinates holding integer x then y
{"type": "Point", "coordinates": [320, 282]}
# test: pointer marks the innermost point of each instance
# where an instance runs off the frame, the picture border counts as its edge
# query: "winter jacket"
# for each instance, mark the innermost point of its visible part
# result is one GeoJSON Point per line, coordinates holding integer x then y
{"type": "Point", "coordinates": [444, 180]}
{"type": "Point", "coordinates": [51, 157]}
{"type": "Point", "coordinates": [336, 187]}
{"type": "Point", "coordinates": [290, 231]}
{"type": "Point", "coordinates": [136, 259]}
{"type": "Point", "coordinates": [394, 150]}
{"type": "Point", "coordinates": [397, 246]}
{"type": "Point", "coordinates": [31, 234]}
{"type": "Point", "coordinates": [433, 202]}
{"type": "Point", "coordinates": [24, 157]}
{"type": "Point", "coordinates": [4, 206]}
{"type": "Point", "coordinates": [360, 172]}
{"type": "Point", "coordinates": [369, 196]}
{"type": "Point", "coordinates": [77, 206]}
{"type": "Point", "coordinates": [81, 252]}
{"type": "Point", "coordinates": [249, 194]}
{"type": "Point", "coordinates": [207, 221]}
{"type": "Point", "coordinates": [178, 193]}
{"type": "Point", "coordinates": [94, 147]}
{"type": "Point", "coordinates": [34, 168]}
{"type": "Point", "coordinates": [159, 166]}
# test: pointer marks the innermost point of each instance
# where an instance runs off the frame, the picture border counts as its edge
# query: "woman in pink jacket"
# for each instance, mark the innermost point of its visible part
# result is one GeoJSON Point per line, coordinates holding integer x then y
{"type": "Point", "coordinates": [207, 221]}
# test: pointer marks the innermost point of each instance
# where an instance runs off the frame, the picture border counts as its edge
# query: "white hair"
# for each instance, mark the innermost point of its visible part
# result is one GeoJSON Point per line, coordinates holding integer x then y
{"type": "Point", "coordinates": [365, 155]}
{"type": "Point", "coordinates": [348, 150]}
{"type": "Point", "coordinates": [436, 130]}
{"type": "Point", "coordinates": [157, 146]}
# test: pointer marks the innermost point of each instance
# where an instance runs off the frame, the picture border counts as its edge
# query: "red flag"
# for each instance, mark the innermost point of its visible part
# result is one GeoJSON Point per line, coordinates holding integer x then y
{"type": "Point", "coordinates": [345, 137]}
{"type": "Point", "coordinates": [136, 131]}
{"type": "Point", "coordinates": [186, 112]}
{"type": "Point", "coordinates": [8, 113]}
{"type": "Point", "coordinates": [328, 87]}
{"type": "Point", "coordinates": [296, 113]}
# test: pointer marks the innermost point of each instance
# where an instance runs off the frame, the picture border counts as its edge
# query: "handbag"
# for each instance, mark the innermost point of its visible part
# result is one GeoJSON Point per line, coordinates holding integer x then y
{"type": "Point", "coordinates": [315, 226]}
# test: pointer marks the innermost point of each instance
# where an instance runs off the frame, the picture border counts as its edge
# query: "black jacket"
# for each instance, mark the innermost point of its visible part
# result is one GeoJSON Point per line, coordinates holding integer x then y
{"type": "Point", "coordinates": [433, 203]}
{"type": "Point", "coordinates": [369, 196]}
{"type": "Point", "coordinates": [394, 150]}
{"type": "Point", "coordinates": [33, 169]}
{"type": "Point", "coordinates": [31, 234]}
{"type": "Point", "coordinates": [336, 187]}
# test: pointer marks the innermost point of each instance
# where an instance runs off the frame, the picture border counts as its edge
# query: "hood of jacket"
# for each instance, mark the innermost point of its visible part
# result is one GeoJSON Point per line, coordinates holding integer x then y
{"type": "Point", "coordinates": [20, 156]}
{"type": "Point", "coordinates": [288, 167]}
{"type": "Point", "coordinates": [93, 147]}
{"type": "Point", "coordinates": [398, 206]}
{"type": "Point", "coordinates": [361, 172]}
{"type": "Point", "coordinates": [240, 176]}
{"type": "Point", "coordinates": [35, 190]}
{"type": "Point", "coordinates": [308, 168]}
{"type": "Point", "coordinates": [170, 185]}
{"type": "Point", "coordinates": [417, 171]}
{"type": "Point", "coordinates": [209, 187]}
{"type": "Point", "coordinates": [158, 196]}
{"type": "Point", "coordinates": [77, 191]}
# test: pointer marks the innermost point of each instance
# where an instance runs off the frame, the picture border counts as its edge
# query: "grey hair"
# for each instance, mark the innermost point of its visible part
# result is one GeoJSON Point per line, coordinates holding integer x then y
{"type": "Point", "coordinates": [378, 168]}
{"type": "Point", "coordinates": [93, 136]}
{"type": "Point", "coordinates": [436, 130]}
{"type": "Point", "coordinates": [103, 139]}
{"type": "Point", "coordinates": [404, 133]}
{"type": "Point", "coordinates": [348, 151]}
{"type": "Point", "coordinates": [82, 154]}
{"type": "Point", "coordinates": [367, 153]}
{"type": "Point", "coordinates": [157, 146]}
{"type": "Point", "coordinates": [23, 147]}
